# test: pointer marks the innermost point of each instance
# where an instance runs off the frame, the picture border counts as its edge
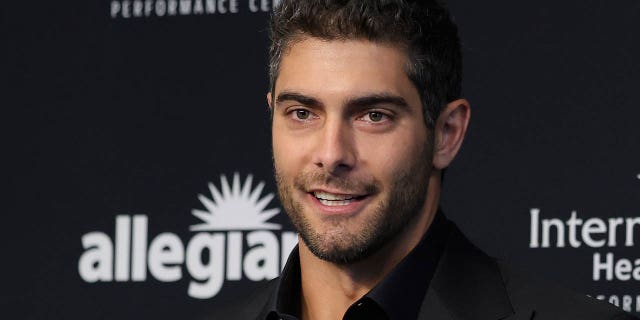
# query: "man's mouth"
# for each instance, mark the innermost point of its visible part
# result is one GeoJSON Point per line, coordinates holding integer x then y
{"type": "Point", "coordinates": [333, 199]}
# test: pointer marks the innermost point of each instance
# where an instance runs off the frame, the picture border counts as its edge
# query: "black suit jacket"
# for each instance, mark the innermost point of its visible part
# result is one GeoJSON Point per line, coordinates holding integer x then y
{"type": "Point", "coordinates": [468, 285]}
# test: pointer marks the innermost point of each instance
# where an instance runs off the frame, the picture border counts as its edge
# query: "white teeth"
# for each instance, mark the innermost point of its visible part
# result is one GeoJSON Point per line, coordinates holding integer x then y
{"type": "Point", "coordinates": [333, 203]}
{"type": "Point", "coordinates": [332, 197]}
{"type": "Point", "coordinates": [333, 200]}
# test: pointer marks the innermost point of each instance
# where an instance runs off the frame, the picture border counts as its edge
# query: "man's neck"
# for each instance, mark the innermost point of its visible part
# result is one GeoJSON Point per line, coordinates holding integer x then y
{"type": "Point", "coordinates": [329, 289]}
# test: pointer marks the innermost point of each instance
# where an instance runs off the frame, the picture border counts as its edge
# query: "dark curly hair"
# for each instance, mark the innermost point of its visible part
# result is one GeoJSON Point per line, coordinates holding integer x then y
{"type": "Point", "coordinates": [423, 28]}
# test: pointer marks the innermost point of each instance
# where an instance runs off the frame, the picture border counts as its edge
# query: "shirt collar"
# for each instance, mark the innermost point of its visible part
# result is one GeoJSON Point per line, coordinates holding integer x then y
{"type": "Point", "coordinates": [288, 295]}
{"type": "Point", "coordinates": [401, 291]}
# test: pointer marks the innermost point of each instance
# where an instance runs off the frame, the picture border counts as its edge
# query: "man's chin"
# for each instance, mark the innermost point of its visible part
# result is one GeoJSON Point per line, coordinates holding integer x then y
{"type": "Point", "coordinates": [340, 246]}
{"type": "Point", "coordinates": [336, 254]}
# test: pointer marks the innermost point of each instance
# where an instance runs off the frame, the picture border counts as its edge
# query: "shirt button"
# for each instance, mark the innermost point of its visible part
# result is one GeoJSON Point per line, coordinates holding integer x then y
{"type": "Point", "coordinates": [359, 304]}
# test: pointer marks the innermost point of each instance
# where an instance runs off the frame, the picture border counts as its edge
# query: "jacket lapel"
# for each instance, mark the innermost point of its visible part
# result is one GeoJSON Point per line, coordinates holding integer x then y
{"type": "Point", "coordinates": [466, 285]}
{"type": "Point", "coordinates": [433, 308]}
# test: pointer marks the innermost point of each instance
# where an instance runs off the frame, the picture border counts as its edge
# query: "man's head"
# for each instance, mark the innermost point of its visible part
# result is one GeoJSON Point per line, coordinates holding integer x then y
{"type": "Point", "coordinates": [422, 28]}
{"type": "Point", "coordinates": [363, 119]}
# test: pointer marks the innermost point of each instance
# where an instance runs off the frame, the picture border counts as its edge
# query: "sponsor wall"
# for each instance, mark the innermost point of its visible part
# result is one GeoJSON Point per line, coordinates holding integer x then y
{"type": "Point", "coordinates": [139, 169]}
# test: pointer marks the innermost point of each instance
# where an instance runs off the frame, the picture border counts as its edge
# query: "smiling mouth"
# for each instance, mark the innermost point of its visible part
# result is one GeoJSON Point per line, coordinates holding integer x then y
{"type": "Point", "coordinates": [334, 200]}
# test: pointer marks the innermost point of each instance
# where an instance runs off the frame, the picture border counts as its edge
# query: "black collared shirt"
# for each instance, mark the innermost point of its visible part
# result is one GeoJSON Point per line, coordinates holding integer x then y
{"type": "Point", "coordinates": [398, 296]}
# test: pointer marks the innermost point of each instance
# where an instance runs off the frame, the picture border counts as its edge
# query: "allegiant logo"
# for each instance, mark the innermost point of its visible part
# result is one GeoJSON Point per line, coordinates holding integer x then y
{"type": "Point", "coordinates": [234, 242]}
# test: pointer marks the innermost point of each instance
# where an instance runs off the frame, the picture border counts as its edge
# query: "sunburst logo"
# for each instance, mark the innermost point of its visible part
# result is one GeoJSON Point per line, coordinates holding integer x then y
{"type": "Point", "coordinates": [236, 207]}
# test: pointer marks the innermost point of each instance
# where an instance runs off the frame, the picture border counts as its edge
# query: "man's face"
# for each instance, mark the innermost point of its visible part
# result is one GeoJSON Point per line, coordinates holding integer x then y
{"type": "Point", "coordinates": [352, 154]}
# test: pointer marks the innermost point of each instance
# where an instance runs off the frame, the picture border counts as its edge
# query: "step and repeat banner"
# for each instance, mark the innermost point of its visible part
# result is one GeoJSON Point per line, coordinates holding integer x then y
{"type": "Point", "coordinates": [138, 157]}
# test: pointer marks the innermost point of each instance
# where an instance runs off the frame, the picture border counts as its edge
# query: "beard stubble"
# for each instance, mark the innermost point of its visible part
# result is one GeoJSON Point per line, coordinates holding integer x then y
{"type": "Point", "coordinates": [403, 202]}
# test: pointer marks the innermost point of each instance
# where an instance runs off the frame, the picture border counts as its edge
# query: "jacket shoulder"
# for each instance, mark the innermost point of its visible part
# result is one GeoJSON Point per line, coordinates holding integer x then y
{"type": "Point", "coordinates": [549, 301]}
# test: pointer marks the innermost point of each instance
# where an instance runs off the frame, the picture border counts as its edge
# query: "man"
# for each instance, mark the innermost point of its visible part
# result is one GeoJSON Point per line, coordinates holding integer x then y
{"type": "Point", "coordinates": [366, 107]}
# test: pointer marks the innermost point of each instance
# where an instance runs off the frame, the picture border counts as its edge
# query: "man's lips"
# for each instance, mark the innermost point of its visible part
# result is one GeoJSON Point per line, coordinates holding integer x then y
{"type": "Point", "coordinates": [337, 199]}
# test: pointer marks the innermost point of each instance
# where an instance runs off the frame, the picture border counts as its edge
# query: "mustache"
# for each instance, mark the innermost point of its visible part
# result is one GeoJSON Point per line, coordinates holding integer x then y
{"type": "Point", "coordinates": [308, 180]}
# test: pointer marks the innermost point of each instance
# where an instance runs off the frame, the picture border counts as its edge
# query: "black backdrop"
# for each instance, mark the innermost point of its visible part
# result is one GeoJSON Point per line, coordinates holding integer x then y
{"type": "Point", "coordinates": [118, 108]}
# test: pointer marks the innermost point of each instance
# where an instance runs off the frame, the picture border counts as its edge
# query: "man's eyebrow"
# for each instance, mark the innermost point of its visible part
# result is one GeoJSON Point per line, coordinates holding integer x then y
{"type": "Point", "coordinates": [377, 99]}
{"type": "Point", "coordinates": [359, 102]}
{"type": "Point", "coordinates": [298, 97]}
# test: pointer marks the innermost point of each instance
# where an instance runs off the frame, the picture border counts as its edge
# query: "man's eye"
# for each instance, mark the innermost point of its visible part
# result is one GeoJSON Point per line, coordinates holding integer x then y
{"type": "Point", "coordinates": [302, 114]}
{"type": "Point", "coordinates": [376, 116]}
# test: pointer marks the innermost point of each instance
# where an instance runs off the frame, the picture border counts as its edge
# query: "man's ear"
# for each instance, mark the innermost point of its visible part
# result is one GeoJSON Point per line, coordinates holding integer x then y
{"type": "Point", "coordinates": [269, 101]}
{"type": "Point", "coordinates": [450, 129]}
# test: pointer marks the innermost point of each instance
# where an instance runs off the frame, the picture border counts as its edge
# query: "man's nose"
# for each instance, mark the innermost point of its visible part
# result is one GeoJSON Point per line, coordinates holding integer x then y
{"type": "Point", "coordinates": [335, 152]}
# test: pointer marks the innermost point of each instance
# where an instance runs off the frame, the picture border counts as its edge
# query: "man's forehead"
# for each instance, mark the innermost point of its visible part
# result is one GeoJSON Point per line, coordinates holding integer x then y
{"type": "Point", "coordinates": [358, 47]}
{"type": "Point", "coordinates": [344, 68]}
